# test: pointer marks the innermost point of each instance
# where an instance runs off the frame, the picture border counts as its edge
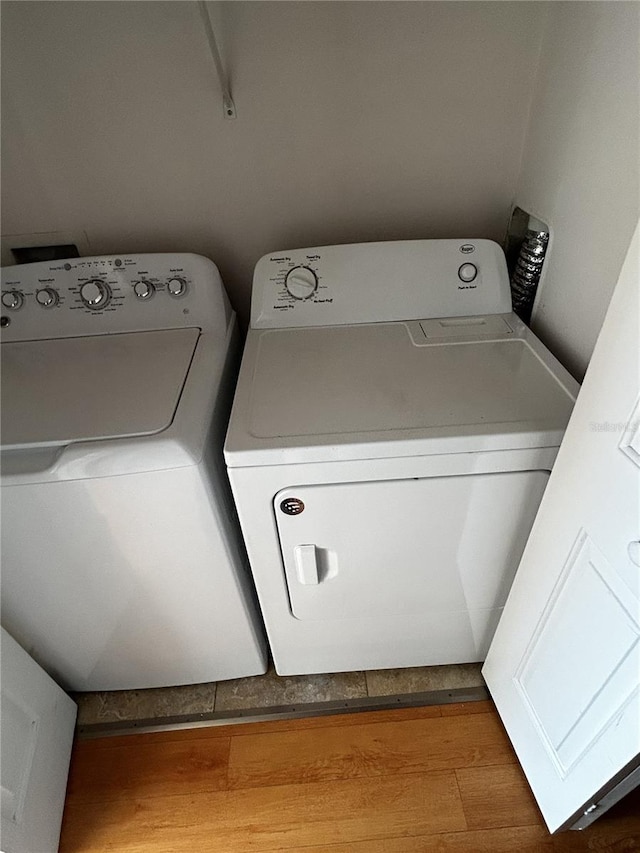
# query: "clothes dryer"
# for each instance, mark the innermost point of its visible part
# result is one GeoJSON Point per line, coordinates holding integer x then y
{"type": "Point", "coordinates": [392, 433]}
{"type": "Point", "coordinates": [122, 563]}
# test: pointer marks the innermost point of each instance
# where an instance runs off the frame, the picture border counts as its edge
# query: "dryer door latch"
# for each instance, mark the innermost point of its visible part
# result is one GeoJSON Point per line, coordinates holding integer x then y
{"type": "Point", "coordinates": [306, 564]}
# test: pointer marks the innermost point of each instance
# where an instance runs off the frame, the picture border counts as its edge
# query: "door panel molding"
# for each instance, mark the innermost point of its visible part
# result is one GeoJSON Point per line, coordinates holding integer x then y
{"type": "Point", "coordinates": [586, 706]}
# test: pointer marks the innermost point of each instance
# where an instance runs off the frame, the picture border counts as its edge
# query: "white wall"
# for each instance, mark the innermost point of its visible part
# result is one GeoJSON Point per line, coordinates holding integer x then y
{"type": "Point", "coordinates": [581, 166]}
{"type": "Point", "coordinates": [356, 121]}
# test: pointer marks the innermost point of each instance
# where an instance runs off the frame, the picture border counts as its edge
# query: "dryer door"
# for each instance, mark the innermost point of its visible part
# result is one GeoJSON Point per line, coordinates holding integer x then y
{"type": "Point", "coordinates": [385, 549]}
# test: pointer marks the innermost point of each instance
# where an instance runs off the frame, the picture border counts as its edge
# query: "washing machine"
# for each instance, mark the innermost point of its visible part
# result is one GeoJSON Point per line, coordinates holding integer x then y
{"type": "Point", "coordinates": [392, 433]}
{"type": "Point", "coordinates": [122, 562]}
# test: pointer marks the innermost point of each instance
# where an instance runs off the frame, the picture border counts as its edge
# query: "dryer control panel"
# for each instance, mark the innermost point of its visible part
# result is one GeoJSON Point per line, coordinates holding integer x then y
{"type": "Point", "coordinates": [377, 282]}
{"type": "Point", "coordinates": [111, 293]}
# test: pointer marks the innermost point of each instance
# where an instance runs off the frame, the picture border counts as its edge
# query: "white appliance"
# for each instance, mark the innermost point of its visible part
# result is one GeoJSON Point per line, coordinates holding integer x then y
{"type": "Point", "coordinates": [38, 722]}
{"type": "Point", "coordinates": [392, 433]}
{"type": "Point", "coordinates": [122, 565]}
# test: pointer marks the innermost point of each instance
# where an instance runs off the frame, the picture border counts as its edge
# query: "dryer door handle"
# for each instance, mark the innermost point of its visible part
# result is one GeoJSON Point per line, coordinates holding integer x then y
{"type": "Point", "coordinates": [306, 560]}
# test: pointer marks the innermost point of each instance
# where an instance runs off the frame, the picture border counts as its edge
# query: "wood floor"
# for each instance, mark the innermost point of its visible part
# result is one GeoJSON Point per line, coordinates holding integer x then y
{"type": "Point", "coordinates": [414, 780]}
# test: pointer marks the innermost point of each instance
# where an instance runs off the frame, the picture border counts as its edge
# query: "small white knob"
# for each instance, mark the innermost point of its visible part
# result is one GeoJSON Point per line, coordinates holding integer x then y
{"type": "Point", "coordinates": [12, 300]}
{"type": "Point", "coordinates": [301, 282]}
{"type": "Point", "coordinates": [176, 286]}
{"type": "Point", "coordinates": [143, 289]}
{"type": "Point", "coordinates": [467, 272]}
{"type": "Point", "coordinates": [47, 297]}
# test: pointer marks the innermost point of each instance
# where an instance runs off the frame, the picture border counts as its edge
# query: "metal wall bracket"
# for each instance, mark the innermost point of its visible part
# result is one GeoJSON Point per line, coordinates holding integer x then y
{"type": "Point", "coordinates": [228, 107]}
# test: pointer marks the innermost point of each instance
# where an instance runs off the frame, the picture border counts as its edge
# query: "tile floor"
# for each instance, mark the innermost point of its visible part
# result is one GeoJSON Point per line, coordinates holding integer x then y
{"type": "Point", "coordinates": [270, 691]}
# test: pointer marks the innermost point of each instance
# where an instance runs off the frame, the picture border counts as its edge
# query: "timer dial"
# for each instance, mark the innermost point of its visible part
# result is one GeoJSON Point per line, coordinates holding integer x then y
{"type": "Point", "coordinates": [95, 294]}
{"type": "Point", "coordinates": [47, 297]}
{"type": "Point", "coordinates": [301, 282]}
{"type": "Point", "coordinates": [12, 299]}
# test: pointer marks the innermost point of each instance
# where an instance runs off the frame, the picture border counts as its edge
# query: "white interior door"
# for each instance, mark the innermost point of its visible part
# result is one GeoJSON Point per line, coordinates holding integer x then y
{"type": "Point", "coordinates": [38, 720]}
{"type": "Point", "coordinates": [564, 665]}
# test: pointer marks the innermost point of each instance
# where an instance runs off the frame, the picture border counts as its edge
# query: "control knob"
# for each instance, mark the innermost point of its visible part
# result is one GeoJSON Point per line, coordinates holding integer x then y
{"type": "Point", "coordinates": [95, 294]}
{"type": "Point", "coordinates": [301, 282]}
{"type": "Point", "coordinates": [177, 286]}
{"type": "Point", "coordinates": [12, 299]}
{"type": "Point", "coordinates": [47, 297]}
{"type": "Point", "coordinates": [143, 289]}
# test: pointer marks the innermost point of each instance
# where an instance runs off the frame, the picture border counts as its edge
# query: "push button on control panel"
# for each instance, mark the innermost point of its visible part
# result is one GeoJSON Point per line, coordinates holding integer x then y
{"type": "Point", "coordinates": [467, 272]}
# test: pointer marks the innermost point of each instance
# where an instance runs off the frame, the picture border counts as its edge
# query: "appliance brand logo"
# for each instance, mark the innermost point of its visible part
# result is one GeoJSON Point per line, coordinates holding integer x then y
{"type": "Point", "coordinates": [467, 249]}
{"type": "Point", "coordinates": [292, 506]}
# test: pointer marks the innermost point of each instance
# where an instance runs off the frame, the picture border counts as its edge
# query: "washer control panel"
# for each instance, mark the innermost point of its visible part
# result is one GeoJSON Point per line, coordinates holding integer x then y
{"type": "Point", "coordinates": [111, 293]}
{"type": "Point", "coordinates": [378, 282]}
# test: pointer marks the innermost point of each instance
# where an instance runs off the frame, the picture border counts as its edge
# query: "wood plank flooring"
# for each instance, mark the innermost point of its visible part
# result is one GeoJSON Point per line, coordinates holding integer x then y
{"type": "Point", "coordinates": [417, 780]}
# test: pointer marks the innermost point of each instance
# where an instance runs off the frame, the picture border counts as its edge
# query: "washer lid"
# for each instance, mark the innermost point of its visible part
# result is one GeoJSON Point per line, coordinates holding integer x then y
{"type": "Point", "coordinates": [337, 387]}
{"type": "Point", "coordinates": [55, 392]}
